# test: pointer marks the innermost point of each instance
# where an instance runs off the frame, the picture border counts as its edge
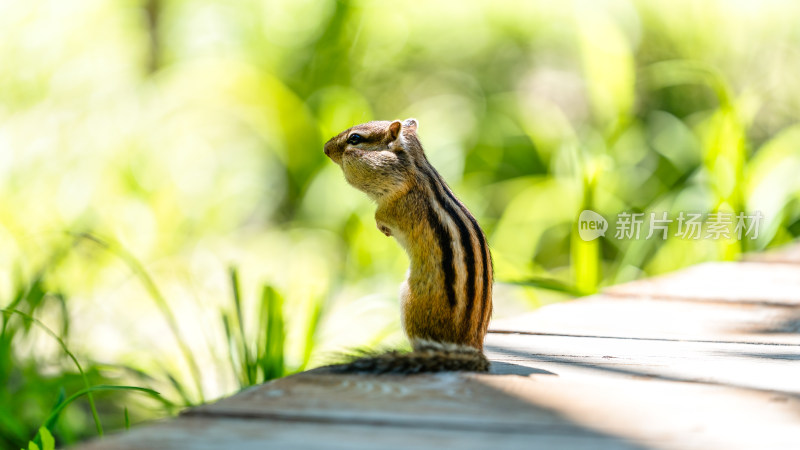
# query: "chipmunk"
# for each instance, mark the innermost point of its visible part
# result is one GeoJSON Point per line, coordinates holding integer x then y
{"type": "Point", "coordinates": [446, 301]}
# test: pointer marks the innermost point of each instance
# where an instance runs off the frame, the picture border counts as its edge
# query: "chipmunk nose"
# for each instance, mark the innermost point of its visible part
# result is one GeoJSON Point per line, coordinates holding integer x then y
{"type": "Point", "coordinates": [329, 149]}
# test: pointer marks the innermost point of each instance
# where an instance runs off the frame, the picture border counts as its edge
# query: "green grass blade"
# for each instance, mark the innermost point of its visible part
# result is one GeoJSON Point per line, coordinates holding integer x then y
{"type": "Point", "coordinates": [179, 389]}
{"type": "Point", "coordinates": [262, 346]}
{"type": "Point", "coordinates": [44, 327]}
{"type": "Point", "coordinates": [36, 285]}
{"type": "Point", "coordinates": [233, 349]}
{"type": "Point", "coordinates": [62, 396]}
{"type": "Point", "coordinates": [585, 259]}
{"type": "Point", "coordinates": [312, 326]}
{"type": "Point", "coordinates": [247, 362]}
{"type": "Point", "coordinates": [57, 410]}
{"type": "Point", "coordinates": [161, 302]}
{"type": "Point", "coordinates": [48, 442]}
{"type": "Point", "coordinates": [272, 360]}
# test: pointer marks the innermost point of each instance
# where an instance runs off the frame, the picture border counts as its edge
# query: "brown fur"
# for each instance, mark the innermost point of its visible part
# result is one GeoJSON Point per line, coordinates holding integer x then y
{"type": "Point", "coordinates": [391, 168]}
{"type": "Point", "coordinates": [427, 357]}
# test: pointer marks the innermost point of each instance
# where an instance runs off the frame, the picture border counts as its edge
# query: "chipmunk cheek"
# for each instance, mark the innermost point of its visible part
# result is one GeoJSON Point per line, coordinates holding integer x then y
{"type": "Point", "coordinates": [349, 152]}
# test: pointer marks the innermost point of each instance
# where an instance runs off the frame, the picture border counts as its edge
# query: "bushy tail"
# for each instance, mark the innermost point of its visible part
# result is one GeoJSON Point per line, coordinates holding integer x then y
{"type": "Point", "coordinates": [425, 358]}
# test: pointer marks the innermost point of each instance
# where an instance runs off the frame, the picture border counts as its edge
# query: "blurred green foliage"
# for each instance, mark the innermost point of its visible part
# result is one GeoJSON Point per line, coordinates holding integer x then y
{"type": "Point", "coordinates": [187, 136]}
{"type": "Point", "coordinates": [30, 383]}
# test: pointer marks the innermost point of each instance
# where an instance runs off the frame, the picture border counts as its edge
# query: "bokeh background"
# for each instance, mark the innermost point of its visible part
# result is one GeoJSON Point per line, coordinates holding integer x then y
{"type": "Point", "coordinates": [167, 213]}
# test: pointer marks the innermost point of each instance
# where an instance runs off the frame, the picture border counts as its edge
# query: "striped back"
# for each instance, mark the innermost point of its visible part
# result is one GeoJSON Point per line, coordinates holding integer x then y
{"type": "Point", "coordinates": [466, 261]}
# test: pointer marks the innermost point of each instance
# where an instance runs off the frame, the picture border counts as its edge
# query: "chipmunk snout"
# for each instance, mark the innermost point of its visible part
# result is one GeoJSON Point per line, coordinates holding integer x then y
{"type": "Point", "coordinates": [332, 152]}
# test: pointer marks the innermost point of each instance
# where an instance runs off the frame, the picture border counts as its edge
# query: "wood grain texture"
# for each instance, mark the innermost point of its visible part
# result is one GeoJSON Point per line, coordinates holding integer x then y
{"type": "Point", "coordinates": [773, 368]}
{"type": "Point", "coordinates": [211, 433]}
{"type": "Point", "coordinates": [661, 319]}
{"type": "Point", "coordinates": [561, 411]}
{"type": "Point", "coordinates": [745, 282]}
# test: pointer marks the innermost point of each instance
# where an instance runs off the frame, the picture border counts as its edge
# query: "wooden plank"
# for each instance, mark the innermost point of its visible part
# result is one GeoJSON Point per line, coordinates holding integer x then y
{"type": "Point", "coordinates": [599, 410]}
{"type": "Point", "coordinates": [658, 318]}
{"type": "Point", "coordinates": [450, 397]}
{"type": "Point", "coordinates": [752, 366]}
{"type": "Point", "coordinates": [613, 382]}
{"type": "Point", "coordinates": [747, 282]}
{"type": "Point", "coordinates": [444, 400]}
{"type": "Point", "coordinates": [661, 414]}
{"type": "Point", "coordinates": [202, 433]}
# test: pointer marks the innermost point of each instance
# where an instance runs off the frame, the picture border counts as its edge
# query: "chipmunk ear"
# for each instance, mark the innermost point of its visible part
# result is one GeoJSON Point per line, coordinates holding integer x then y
{"type": "Point", "coordinates": [410, 124]}
{"type": "Point", "coordinates": [394, 129]}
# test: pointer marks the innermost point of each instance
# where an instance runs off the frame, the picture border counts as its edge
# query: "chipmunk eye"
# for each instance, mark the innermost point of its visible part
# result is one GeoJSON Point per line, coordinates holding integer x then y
{"type": "Point", "coordinates": [355, 139]}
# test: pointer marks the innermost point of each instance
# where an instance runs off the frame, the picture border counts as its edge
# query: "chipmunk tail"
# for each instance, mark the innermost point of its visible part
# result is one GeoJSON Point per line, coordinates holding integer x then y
{"type": "Point", "coordinates": [427, 357]}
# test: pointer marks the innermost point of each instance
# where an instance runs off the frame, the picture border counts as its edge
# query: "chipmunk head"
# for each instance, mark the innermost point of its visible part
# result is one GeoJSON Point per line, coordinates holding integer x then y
{"type": "Point", "coordinates": [377, 157]}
